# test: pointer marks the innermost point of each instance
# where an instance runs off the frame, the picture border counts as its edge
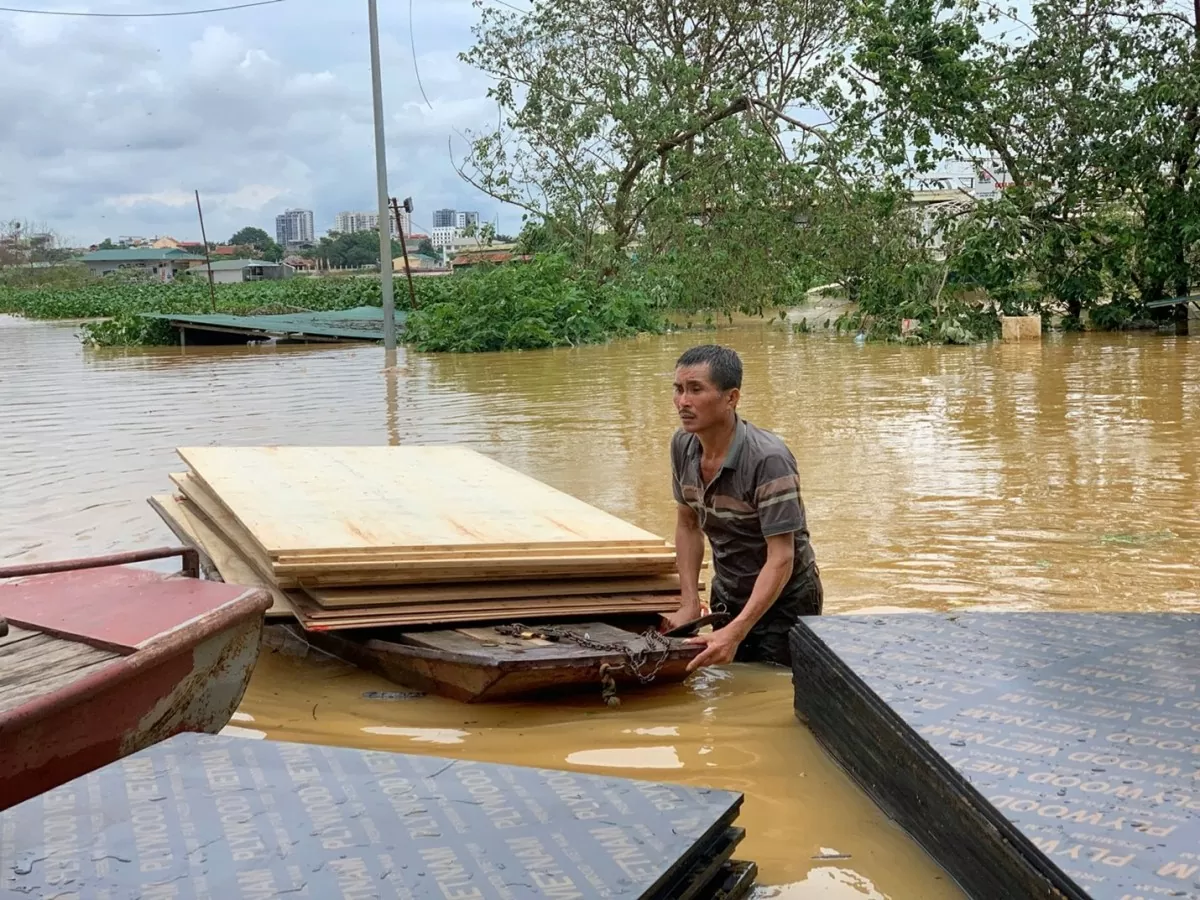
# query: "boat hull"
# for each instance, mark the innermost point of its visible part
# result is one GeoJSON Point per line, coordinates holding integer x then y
{"type": "Point", "coordinates": [487, 677]}
{"type": "Point", "coordinates": [187, 677]}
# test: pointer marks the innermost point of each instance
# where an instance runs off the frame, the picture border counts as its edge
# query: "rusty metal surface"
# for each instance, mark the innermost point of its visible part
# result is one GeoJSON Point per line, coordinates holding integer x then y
{"type": "Point", "coordinates": [224, 817]}
{"type": "Point", "coordinates": [207, 697]}
{"type": "Point", "coordinates": [190, 562]}
{"type": "Point", "coordinates": [119, 607]}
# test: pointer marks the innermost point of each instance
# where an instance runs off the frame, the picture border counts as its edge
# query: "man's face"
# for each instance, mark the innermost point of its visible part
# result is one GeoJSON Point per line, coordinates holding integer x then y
{"type": "Point", "coordinates": [700, 403]}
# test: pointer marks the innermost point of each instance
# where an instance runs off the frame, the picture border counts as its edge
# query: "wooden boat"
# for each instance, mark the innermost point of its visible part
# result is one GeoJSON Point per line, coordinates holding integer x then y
{"type": "Point", "coordinates": [101, 660]}
{"type": "Point", "coordinates": [490, 663]}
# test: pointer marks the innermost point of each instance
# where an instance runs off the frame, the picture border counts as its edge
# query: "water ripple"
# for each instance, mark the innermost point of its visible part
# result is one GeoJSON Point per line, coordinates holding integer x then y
{"type": "Point", "coordinates": [1059, 475]}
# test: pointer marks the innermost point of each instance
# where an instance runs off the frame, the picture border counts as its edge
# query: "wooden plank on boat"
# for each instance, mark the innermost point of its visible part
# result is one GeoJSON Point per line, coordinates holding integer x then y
{"type": "Point", "coordinates": [1031, 754]}
{"type": "Point", "coordinates": [516, 567]}
{"type": "Point", "coordinates": [234, 568]}
{"type": "Point", "coordinates": [232, 533]}
{"type": "Point", "coordinates": [304, 500]}
{"type": "Point", "coordinates": [337, 598]}
{"type": "Point", "coordinates": [384, 571]}
{"type": "Point", "coordinates": [38, 664]}
{"type": "Point", "coordinates": [406, 824]}
{"type": "Point", "coordinates": [504, 608]}
{"type": "Point", "coordinates": [194, 529]}
{"type": "Point", "coordinates": [16, 635]}
{"type": "Point", "coordinates": [315, 618]}
{"type": "Point", "coordinates": [492, 570]}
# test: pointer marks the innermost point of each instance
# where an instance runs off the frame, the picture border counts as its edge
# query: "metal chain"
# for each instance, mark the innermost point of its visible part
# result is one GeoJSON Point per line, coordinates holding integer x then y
{"type": "Point", "coordinates": [652, 650]}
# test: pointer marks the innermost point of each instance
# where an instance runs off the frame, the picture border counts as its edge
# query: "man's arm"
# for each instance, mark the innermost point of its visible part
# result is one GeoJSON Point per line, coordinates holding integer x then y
{"type": "Point", "coordinates": [689, 555]}
{"type": "Point", "coordinates": [721, 645]}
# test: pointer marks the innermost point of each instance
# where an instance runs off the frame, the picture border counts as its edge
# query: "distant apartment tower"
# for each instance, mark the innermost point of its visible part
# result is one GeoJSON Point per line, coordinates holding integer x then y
{"type": "Point", "coordinates": [445, 218]}
{"type": "Point", "coordinates": [463, 219]}
{"type": "Point", "coordinates": [444, 236]}
{"type": "Point", "coordinates": [294, 226]}
{"type": "Point", "coordinates": [353, 222]}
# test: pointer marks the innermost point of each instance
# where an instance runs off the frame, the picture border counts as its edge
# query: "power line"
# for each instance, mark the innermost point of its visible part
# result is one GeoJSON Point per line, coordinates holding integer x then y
{"type": "Point", "coordinates": [150, 15]}
{"type": "Point", "coordinates": [413, 40]}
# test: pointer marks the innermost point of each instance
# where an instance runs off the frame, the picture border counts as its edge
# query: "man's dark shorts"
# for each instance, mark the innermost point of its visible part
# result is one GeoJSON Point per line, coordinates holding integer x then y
{"type": "Point", "coordinates": [768, 639]}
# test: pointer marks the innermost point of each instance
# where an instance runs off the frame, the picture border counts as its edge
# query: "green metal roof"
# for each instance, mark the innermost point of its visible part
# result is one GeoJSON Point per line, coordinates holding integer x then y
{"type": "Point", "coordinates": [362, 323]}
{"type": "Point", "coordinates": [227, 265]}
{"type": "Point", "coordinates": [138, 255]}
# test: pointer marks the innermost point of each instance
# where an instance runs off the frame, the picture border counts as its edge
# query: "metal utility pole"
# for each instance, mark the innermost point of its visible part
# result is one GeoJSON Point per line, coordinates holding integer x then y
{"type": "Point", "coordinates": [412, 291]}
{"type": "Point", "coordinates": [212, 292]}
{"type": "Point", "coordinates": [385, 237]}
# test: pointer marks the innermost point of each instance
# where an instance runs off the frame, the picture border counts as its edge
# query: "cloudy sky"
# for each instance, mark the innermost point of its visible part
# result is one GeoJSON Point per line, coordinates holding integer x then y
{"type": "Point", "coordinates": [108, 125]}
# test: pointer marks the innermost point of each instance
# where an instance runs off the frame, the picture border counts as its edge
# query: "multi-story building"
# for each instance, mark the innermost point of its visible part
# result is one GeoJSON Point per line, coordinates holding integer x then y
{"type": "Point", "coordinates": [293, 227]}
{"type": "Point", "coordinates": [463, 219]}
{"type": "Point", "coordinates": [444, 236]}
{"type": "Point", "coordinates": [354, 222]}
{"type": "Point", "coordinates": [444, 218]}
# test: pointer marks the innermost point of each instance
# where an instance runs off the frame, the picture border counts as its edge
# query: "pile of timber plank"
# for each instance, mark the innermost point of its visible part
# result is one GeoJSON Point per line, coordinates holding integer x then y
{"type": "Point", "coordinates": [385, 825]}
{"type": "Point", "coordinates": [350, 537]}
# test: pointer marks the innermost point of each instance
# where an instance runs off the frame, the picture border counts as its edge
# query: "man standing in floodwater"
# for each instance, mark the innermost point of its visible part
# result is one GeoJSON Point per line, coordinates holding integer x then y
{"type": "Point", "coordinates": [738, 485]}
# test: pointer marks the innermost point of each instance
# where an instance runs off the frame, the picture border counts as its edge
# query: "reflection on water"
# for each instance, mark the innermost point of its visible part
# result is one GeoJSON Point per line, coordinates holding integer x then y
{"type": "Point", "coordinates": [626, 758]}
{"type": "Point", "coordinates": [420, 735]}
{"type": "Point", "coordinates": [1060, 475]}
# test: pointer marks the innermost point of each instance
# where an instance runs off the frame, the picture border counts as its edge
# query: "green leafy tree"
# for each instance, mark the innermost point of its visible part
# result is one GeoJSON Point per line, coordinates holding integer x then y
{"type": "Point", "coordinates": [260, 243]}
{"type": "Point", "coordinates": [251, 237]}
{"type": "Point", "coordinates": [1090, 109]}
{"type": "Point", "coordinates": [620, 117]}
{"type": "Point", "coordinates": [351, 251]}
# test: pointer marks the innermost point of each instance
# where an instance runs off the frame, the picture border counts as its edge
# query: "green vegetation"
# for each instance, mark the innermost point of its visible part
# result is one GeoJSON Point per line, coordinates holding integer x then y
{"type": "Point", "coordinates": [108, 297]}
{"type": "Point", "coordinates": [544, 303]}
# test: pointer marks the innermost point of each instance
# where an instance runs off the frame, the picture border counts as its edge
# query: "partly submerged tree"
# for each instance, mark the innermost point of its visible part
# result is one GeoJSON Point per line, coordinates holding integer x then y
{"type": "Point", "coordinates": [1090, 110]}
{"type": "Point", "coordinates": [629, 120]}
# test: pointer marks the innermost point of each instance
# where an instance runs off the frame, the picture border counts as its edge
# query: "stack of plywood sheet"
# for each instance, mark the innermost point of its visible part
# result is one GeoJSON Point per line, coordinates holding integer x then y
{"type": "Point", "coordinates": [357, 536]}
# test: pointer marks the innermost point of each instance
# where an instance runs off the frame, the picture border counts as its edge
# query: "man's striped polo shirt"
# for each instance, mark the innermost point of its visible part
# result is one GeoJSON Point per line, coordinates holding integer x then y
{"type": "Point", "coordinates": [755, 494]}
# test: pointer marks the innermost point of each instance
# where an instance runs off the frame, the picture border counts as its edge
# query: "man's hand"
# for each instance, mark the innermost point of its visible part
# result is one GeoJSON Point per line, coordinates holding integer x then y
{"type": "Point", "coordinates": [720, 647]}
{"type": "Point", "coordinates": [681, 616]}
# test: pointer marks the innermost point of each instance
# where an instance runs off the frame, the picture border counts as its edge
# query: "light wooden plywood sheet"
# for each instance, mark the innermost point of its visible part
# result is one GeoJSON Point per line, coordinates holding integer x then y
{"type": "Point", "coordinates": [223, 522]}
{"type": "Point", "coordinates": [452, 566]}
{"type": "Point", "coordinates": [501, 609]}
{"type": "Point", "coordinates": [489, 570]}
{"type": "Point", "coordinates": [334, 598]}
{"type": "Point", "coordinates": [196, 531]}
{"type": "Point", "coordinates": [306, 500]}
{"type": "Point", "coordinates": [448, 614]}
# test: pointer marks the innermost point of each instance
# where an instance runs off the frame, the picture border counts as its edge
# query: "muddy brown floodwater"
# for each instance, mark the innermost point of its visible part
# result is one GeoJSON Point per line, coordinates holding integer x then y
{"type": "Point", "coordinates": [1060, 475]}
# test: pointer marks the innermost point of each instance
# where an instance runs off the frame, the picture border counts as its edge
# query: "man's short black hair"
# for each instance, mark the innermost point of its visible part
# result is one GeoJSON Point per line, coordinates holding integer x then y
{"type": "Point", "coordinates": [724, 365]}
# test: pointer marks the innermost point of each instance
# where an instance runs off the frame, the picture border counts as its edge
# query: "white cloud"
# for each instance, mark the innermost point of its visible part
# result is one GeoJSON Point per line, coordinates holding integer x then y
{"type": "Point", "coordinates": [108, 125]}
